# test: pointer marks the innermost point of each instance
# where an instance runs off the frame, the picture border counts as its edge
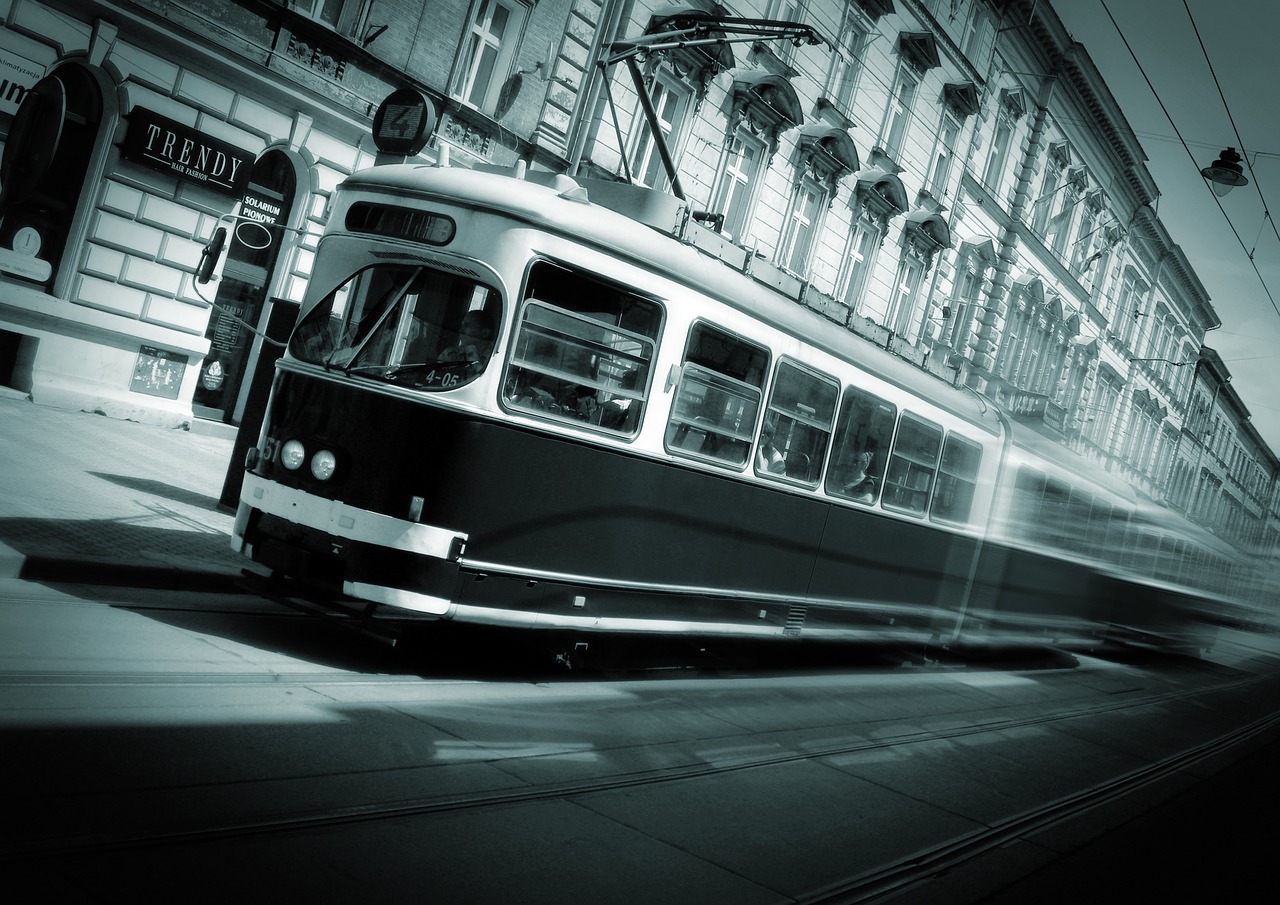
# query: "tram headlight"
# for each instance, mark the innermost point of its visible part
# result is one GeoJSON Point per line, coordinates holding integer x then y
{"type": "Point", "coordinates": [292, 454]}
{"type": "Point", "coordinates": [323, 465]}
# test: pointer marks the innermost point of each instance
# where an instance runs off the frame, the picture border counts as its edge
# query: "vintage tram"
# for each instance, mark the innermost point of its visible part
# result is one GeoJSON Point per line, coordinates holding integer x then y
{"type": "Point", "coordinates": [522, 400]}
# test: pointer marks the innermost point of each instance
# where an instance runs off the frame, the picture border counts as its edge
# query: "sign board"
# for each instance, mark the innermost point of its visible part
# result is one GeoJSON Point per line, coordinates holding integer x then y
{"type": "Point", "coordinates": [17, 76]}
{"type": "Point", "coordinates": [158, 372]}
{"type": "Point", "coordinates": [183, 151]}
{"type": "Point", "coordinates": [403, 122]}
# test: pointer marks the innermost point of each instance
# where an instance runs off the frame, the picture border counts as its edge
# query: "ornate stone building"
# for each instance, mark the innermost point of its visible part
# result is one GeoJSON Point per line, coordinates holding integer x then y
{"type": "Point", "coordinates": [950, 179]}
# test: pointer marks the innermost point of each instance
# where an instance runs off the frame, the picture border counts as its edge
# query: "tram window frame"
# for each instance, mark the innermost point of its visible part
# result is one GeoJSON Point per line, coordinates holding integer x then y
{"type": "Point", "coordinates": [563, 312]}
{"type": "Point", "coordinates": [1074, 528]}
{"type": "Point", "coordinates": [1117, 535]}
{"type": "Point", "coordinates": [800, 433]}
{"type": "Point", "coordinates": [954, 490]}
{"type": "Point", "coordinates": [733, 368]}
{"type": "Point", "coordinates": [1028, 492]}
{"type": "Point", "coordinates": [864, 428]}
{"type": "Point", "coordinates": [913, 457]}
{"type": "Point", "coordinates": [402, 321]}
{"type": "Point", "coordinates": [1098, 528]}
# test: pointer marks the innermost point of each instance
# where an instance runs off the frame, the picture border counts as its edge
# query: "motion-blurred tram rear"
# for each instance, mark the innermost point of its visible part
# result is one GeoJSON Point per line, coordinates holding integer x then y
{"type": "Point", "coordinates": [506, 404]}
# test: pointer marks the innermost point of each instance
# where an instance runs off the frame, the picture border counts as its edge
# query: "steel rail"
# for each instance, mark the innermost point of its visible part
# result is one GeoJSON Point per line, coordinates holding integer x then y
{"type": "Point", "coordinates": [857, 889]}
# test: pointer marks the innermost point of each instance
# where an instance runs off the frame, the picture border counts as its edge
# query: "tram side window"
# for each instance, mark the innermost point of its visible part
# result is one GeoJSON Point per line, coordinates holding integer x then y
{"type": "Point", "coordinates": [1117, 532]}
{"type": "Point", "coordinates": [1028, 491]}
{"type": "Point", "coordinates": [1148, 548]}
{"type": "Point", "coordinates": [1074, 532]}
{"type": "Point", "coordinates": [913, 464]}
{"type": "Point", "coordinates": [864, 432]}
{"type": "Point", "coordinates": [583, 350]}
{"type": "Point", "coordinates": [1099, 525]}
{"type": "Point", "coordinates": [717, 401]}
{"type": "Point", "coordinates": [957, 480]}
{"type": "Point", "coordinates": [797, 424]}
{"type": "Point", "coordinates": [409, 324]}
{"type": "Point", "coordinates": [1041, 507]}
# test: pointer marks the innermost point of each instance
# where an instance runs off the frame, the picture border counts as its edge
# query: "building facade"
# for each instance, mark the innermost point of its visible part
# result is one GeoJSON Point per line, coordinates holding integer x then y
{"type": "Point", "coordinates": [950, 179]}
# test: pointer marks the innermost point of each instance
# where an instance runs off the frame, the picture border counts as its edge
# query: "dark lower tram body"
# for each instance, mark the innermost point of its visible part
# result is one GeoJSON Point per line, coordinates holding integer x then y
{"type": "Point", "coordinates": [535, 530]}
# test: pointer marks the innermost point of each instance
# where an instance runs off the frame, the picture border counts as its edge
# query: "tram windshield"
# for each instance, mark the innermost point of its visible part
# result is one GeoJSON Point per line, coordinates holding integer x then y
{"type": "Point", "coordinates": [405, 323]}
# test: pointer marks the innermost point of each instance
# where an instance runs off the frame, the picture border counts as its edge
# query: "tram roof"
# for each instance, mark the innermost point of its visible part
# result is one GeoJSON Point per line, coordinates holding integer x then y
{"type": "Point", "coordinates": [606, 214]}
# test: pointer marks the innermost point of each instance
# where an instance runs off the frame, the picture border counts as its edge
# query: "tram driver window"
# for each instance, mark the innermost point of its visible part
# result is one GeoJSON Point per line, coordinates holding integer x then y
{"type": "Point", "coordinates": [797, 424]}
{"type": "Point", "coordinates": [403, 323]}
{"type": "Point", "coordinates": [583, 350]}
{"type": "Point", "coordinates": [864, 432]}
{"type": "Point", "coordinates": [717, 401]}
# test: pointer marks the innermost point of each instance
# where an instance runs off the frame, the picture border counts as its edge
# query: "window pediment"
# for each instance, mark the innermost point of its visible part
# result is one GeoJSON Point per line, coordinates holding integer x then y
{"type": "Point", "coordinates": [925, 229]}
{"type": "Point", "coordinates": [920, 49]}
{"type": "Point", "coordinates": [961, 98]}
{"type": "Point", "coordinates": [1013, 102]}
{"type": "Point", "coordinates": [1060, 153]}
{"type": "Point", "coordinates": [877, 8]}
{"type": "Point", "coordinates": [767, 103]}
{"type": "Point", "coordinates": [879, 190]}
{"type": "Point", "coordinates": [829, 153]}
{"type": "Point", "coordinates": [701, 62]}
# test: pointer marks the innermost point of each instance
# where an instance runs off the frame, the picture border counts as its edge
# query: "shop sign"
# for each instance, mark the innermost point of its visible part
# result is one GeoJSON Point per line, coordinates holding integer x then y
{"type": "Point", "coordinates": [164, 144]}
{"type": "Point", "coordinates": [17, 75]}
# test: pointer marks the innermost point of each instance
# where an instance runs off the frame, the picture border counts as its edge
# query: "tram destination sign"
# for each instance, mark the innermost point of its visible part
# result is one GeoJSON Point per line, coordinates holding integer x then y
{"type": "Point", "coordinates": [169, 146]}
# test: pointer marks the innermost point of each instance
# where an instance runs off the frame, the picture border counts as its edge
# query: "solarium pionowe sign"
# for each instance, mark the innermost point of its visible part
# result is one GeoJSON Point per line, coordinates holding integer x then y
{"type": "Point", "coordinates": [185, 152]}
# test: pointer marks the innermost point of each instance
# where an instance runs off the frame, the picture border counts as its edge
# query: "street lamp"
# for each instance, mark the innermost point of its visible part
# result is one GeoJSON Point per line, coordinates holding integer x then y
{"type": "Point", "coordinates": [1225, 173]}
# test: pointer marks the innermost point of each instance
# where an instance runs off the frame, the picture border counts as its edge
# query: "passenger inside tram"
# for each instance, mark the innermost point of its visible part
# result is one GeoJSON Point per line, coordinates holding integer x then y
{"type": "Point", "coordinates": [768, 457]}
{"type": "Point", "coordinates": [475, 342]}
{"type": "Point", "coordinates": [861, 485]}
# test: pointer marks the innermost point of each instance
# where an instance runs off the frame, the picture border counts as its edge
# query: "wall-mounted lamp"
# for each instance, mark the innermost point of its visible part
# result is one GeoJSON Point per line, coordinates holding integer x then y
{"type": "Point", "coordinates": [1225, 173]}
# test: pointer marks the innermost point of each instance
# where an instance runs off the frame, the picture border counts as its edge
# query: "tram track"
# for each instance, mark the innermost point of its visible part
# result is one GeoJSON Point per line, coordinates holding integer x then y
{"type": "Point", "coordinates": [862, 888]}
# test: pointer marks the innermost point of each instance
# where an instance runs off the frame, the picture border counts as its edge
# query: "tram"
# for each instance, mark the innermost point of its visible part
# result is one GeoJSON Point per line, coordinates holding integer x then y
{"type": "Point", "coordinates": [518, 399]}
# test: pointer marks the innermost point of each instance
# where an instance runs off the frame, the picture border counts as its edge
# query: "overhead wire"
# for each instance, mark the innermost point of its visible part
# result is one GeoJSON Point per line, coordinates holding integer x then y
{"type": "Point", "coordinates": [1266, 209]}
{"type": "Point", "coordinates": [1218, 201]}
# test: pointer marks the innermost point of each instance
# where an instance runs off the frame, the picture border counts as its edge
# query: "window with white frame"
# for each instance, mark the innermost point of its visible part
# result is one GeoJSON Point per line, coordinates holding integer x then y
{"type": "Point", "coordinates": [346, 16]}
{"type": "Point", "coordinates": [898, 116]}
{"type": "Point", "coordinates": [999, 152]}
{"type": "Point", "coordinates": [846, 60]}
{"type": "Point", "coordinates": [1086, 237]}
{"type": "Point", "coordinates": [860, 256]}
{"type": "Point", "coordinates": [1043, 204]}
{"type": "Point", "coordinates": [1060, 224]}
{"type": "Point", "coordinates": [1106, 403]}
{"type": "Point", "coordinates": [976, 32]}
{"type": "Point", "coordinates": [735, 186]}
{"type": "Point", "coordinates": [906, 290]}
{"type": "Point", "coordinates": [488, 50]}
{"type": "Point", "coordinates": [808, 204]}
{"type": "Point", "coordinates": [786, 11]}
{"type": "Point", "coordinates": [964, 307]}
{"type": "Point", "coordinates": [943, 154]}
{"type": "Point", "coordinates": [1129, 307]}
{"type": "Point", "coordinates": [670, 98]}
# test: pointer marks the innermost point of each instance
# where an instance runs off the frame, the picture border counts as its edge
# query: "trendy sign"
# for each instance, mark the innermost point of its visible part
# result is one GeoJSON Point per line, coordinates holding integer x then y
{"type": "Point", "coordinates": [169, 146]}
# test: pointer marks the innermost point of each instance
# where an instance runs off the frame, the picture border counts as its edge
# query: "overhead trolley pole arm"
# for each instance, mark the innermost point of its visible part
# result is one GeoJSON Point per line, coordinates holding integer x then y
{"type": "Point", "coordinates": [695, 30]}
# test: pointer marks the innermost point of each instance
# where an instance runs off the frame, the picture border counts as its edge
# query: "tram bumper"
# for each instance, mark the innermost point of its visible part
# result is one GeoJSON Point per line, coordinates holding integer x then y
{"type": "Point", "coordinates": [347, 550]}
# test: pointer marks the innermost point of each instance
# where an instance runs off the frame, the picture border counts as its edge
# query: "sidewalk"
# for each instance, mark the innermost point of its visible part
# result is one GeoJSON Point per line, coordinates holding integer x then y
{"type": "Point", "coordinates": [86, 498]}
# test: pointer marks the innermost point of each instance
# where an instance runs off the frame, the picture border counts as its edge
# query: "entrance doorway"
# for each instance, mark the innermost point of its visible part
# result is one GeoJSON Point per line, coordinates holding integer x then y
{"type": "Point", "coordinates": [246, 281]}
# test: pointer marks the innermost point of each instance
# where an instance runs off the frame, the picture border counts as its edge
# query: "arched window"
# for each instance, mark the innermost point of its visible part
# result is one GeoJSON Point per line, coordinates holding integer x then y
{"type": "Point", "coordinates": [40, 206]}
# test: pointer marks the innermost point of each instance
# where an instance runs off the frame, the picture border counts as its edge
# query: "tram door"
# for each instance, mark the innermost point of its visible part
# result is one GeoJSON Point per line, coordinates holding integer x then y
{"type": "Point", "coordinates": [245, 285]}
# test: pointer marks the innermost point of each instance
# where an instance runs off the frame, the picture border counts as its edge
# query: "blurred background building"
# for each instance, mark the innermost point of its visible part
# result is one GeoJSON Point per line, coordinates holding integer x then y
{"type": "Point", "coordinates": [950, 179]}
